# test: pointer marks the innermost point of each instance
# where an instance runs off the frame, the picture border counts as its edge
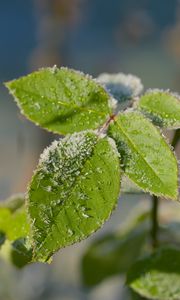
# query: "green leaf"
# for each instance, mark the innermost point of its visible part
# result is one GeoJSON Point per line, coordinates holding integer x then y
{"type": "Point", "coordinates": [13, 203]}
{"type": "Point", "coordinates": [157, 276]}
{"type": "Point", "coordinates": [112, 254]}
{"type": "Point", "coordinates": [15, 229]}
{"type": "Point", "coordinates": [13, 218]}
{"type": "Point", "coordinates": [18, 253]}
{"type": "Point", "coordinates": [135, 296]}
{"type": "Point", "coordinates": [61, 100]}
{"type": "Point", "coordinates": [21, 253]}
{"type": "Point", "coordinates": [73, 191]}
{"type": "Point", "coordinates": [145, 155]}
{"type": "Point", "coordinates": [162, 107]}
{"type": "Point", "coordinates": [124, 88]}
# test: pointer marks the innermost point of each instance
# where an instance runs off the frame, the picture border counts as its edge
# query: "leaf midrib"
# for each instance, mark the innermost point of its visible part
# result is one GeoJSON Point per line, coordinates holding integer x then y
{"type": "Point", "coordinates": [140, 154]}
{"type": "Point", "coordinates": [69, 194]}
{"type": "Point", "coordinates": [69, 105]}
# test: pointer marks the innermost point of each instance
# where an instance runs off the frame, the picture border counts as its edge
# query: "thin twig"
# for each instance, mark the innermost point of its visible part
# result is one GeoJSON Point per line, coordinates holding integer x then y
{"type": "Point", "coordinates": [155, 201]}
{"type": "Point", "coordinates": [155, 225]}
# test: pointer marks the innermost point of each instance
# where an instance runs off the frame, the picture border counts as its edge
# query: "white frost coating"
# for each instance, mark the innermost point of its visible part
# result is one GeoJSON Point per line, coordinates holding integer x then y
{"type": "Point", "coordinates": [87, 76]}
{"type": "Point", "coordinates": [64, 158]}
{"type": "Point", "coordinates": [168, 92]}
{"type": "Point", "coordinates": [156, 90]}
{"type": "Point", "coordinates": [60, 166]}
{"type": "Point", "coordinates": [53, 69]}
{"type": "Point", "coordinates": [113, 145]}
{"type": "Point", "coordinates": [45, 155]}
{"type": "Point", "coordinates": [120, 85]}
{"type": "Point", "coordinates": [112, 102]}
{"type": "Point", "coordinates": [102, 135]}
{"type": "Point", "coordinates": [130, 109]}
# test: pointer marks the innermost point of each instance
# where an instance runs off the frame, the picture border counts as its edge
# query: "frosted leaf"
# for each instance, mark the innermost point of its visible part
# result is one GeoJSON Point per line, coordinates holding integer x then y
{"type": "Point", "coordinates": [145, 156]}
{"type": "Point", "coordinates": [84, 175]}
{"type": "Point", "coordinates": [122, 87]}
{"type": "Point", "coordinates": [61, 100]}
{"type": "Point", "coordinates": [162, 107]}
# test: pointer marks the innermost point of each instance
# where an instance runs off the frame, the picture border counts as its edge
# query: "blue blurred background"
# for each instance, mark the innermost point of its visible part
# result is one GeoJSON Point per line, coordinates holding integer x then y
{"type": "Point", "coordinates": [139, 37]}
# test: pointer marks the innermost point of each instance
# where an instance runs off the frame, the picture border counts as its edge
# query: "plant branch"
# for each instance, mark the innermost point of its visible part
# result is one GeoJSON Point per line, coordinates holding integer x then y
{"type": "Point", "coordinates": [176, 138]}
{"type": "Point", "coordinates": [106, 125]}
{"type": "Point", "coordinates": [155, 201]}
{"type": "Point", "coordinates": [155, 225]}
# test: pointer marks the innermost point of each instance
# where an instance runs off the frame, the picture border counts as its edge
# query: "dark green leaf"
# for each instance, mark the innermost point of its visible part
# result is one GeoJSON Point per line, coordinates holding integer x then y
{"type": "Point", "coordinates": [147, 158]}
{"type": "Point", "coordinates": [162, 107]}
{"type": "Point", "coordinates": [61, 100]}
{"type": "Point", "coordinates": [18, 253]}
{"type": "Point", "coordinates": [157, 276]}
{"type": "Point", "coordinates": [73, 191]}
{"type": "Point", "coordinates": [21, 253]}
{"type": "Point", "coordinates": [112, 254]}
{"type": "Point", "coordinates": [2, 238]}
{"type": "Point", "coordinates": [135, 296]}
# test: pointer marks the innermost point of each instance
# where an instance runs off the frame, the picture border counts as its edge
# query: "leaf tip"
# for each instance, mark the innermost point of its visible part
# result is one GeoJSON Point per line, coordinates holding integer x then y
{"type": "Point", "coordinates": [9, 86]}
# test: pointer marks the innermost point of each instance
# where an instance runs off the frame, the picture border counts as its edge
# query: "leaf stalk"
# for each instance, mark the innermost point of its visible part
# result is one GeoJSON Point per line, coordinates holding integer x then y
{"type": "Point", "coordinates": [155, 202]}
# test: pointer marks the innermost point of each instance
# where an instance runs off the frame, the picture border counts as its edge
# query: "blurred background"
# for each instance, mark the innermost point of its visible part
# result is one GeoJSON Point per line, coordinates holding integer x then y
{"type": "Point", "coordinates": [139, 37]}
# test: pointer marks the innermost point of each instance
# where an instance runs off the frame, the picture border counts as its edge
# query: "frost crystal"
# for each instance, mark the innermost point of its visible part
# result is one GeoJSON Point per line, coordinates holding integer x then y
{"type": "Point", "coordinates": [72, 191]}
{"type": "Point", "coordinates": [64, 158]}
{"type": "Point", "coordinates": [121, 86]}
{"type": "Point", "coordinates": [113, 145]}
